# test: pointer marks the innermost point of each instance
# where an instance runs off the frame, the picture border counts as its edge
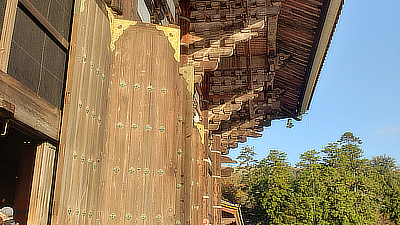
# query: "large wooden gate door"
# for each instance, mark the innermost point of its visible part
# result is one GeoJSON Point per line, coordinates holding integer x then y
{"type": "Point", "coordinates": [141, 180]}
{"type": "Point", "coordinates": [78, 191]}
{"type": "Point", "coordinates": [121, 157]}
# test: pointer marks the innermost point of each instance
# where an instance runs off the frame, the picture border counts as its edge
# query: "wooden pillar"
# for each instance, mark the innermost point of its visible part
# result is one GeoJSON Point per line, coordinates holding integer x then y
{"type": "Point", "coordinates": [39, 204]}
{"type": "Point", "coordinates": [216, 153]}
{"type": "Point", "coordinates": [185, 146]}
{"type": "Point", "coordinates": [6, 33]}
{"type": "Point", "coordinates": [205, 171]}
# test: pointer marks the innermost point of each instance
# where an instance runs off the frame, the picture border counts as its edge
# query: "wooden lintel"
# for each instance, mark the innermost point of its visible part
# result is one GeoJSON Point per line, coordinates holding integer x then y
{"type": "Point", "coordinates": [45, 23]}
{"type": "Point", "coordinates": [30, 109]}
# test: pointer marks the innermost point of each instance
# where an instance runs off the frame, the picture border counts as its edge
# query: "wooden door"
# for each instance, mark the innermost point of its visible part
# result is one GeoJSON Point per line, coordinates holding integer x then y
{"type": "Point", "coordinates": [141, 180]}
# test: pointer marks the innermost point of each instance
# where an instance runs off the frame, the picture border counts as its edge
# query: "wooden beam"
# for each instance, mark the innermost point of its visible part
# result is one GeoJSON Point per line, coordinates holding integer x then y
{"type": "Point", "coordinates": [30, 109]}
{"type": "Point", "coordinates": [45, 23]}
{"type": "Point", "coordinates": [6, 33]}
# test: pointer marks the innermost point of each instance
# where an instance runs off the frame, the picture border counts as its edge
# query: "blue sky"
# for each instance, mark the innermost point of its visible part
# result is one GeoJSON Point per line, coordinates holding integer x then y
{"type": "Point", "coordinates": [358, 90]}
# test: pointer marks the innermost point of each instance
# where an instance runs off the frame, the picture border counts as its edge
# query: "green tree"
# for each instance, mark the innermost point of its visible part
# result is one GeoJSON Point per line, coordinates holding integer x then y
{"type": "Point", "coordinates": [336, 185]}
{"type": "Point", "coordinates": [388, 176]}
{"type": "Point", "coordinates": [308, 188]}
{"type": "Point", "coordinates": [246, 158]}
{"type": "Point", "coordinates": [271, 191]}
{"type": "Point", "coordinates": [350, 188]}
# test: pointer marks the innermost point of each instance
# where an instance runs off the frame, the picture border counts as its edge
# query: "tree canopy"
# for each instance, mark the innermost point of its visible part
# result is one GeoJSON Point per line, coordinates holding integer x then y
{"type": "Point", "coordinates": [335, 185]}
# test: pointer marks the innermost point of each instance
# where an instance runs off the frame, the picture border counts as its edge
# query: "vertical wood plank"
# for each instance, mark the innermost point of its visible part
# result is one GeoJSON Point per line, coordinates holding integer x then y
{"type": "Point", "coordinates": [39, 204]}
{"type": "Point", "coordinates": [216, 153]}
{"type": "Point", "coordinates": [7, 32]}
{"type": "Point", "coordinates": [78, 190]}
{"type": "Point", "coordinates": [185, 148]}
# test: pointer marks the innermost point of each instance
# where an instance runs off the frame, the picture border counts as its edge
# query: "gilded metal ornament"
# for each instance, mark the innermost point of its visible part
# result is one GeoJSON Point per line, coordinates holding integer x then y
{"type": "Point", "coordinates": [161, 129]}
{"type": "Point", "coordinates": [148, 127]}
{"type": "Point", "coordinates": [128, 216]}
{"type": "Point", "coordinates": [116, 169]}
{"type": "Point", "coordinates": [113, 216]}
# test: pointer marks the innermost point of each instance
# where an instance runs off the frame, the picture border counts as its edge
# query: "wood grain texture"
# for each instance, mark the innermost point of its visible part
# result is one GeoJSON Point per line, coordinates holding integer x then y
{"type": "Point", "coordinates": [197, 177]}
{"type": "Point", "coordinates": [39, 204]}
{"type": "Point", "coordinates": [142, 130]}
{"type": "Point", "coordinates": [30, 109]}
{"type": "Point", "coordinates": [186, 113]}
{"type": "Point", "coordinates": [78, 190]}
{"type": "Point", "coordinates": [6, 33]}
{"type": "Point", "coordinates": [216, 155]}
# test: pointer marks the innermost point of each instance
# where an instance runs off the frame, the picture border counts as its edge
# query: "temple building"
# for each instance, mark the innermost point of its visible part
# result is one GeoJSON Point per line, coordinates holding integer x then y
{"type": "Point", "coordinates": [124, 111]}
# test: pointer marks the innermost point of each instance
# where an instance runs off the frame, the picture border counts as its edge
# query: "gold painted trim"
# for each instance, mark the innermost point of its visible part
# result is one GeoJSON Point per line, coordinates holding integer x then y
{"type": "Point", "coordinates": [117, 27]}
{"type": "Point", "coordinates": [174, 39]}
{"type": "Point", "coordinates": [188, 74]}
{"type": "Point", "coordinates": [200, 127]}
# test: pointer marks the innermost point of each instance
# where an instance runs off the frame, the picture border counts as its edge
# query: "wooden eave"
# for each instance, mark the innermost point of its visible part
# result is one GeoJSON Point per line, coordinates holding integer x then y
{"type": "Point", "coordinates": [273, 69]}
{"type": "Point", "coordinates": [327, 25]}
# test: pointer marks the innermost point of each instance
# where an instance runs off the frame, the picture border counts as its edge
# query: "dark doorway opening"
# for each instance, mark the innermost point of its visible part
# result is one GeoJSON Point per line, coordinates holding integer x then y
{"type": "Point", "coordinates": [17, 158]}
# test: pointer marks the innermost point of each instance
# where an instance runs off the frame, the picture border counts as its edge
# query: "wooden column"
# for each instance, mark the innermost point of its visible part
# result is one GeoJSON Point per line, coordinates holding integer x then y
{"type": "Point", "coordinates": [185, 147]}
{"type": "Point", "coordinates": [39, 204]}
{"type": "Point", "coordinates": [216, 153]}
{"type": "Point", "coordinates": [7, 32]}
{"type": "Point", "coordinates": [195, 184]}
{"type": "Point", "coordinates": [205, 164]}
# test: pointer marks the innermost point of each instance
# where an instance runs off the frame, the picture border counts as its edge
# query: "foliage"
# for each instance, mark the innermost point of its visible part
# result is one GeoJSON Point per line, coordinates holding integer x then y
{"type": "Point", "coordinates": [336, 185]}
